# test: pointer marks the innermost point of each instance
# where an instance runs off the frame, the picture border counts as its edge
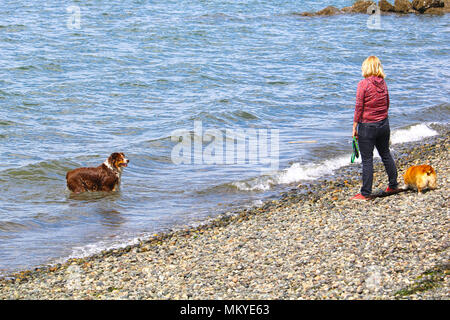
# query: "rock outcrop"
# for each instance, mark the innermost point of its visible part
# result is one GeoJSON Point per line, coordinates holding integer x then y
{"type": "Point", "coordinates": [423, 5]}
{"type": "Point", "coordinates": [328, 11]}
{"type": "Point", "coordinates": [385, 6]}
{"type": "Point", "coordinates": [359, 6]}
{"type": "Point", "coordinates": [437, 11]}
{"type": "Point", "coordinates": [402, 6]}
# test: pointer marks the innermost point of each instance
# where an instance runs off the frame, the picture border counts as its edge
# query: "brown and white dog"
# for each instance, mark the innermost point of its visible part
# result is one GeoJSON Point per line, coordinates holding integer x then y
{"type": "Point", "coordinates": [105, 177]}
{"type": "Point", "coordinates": [420, 177]}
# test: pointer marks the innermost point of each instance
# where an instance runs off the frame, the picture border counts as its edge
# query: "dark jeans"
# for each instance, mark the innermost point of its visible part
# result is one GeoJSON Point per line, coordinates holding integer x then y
{"type": "Point", "coordinates": [375, 134]}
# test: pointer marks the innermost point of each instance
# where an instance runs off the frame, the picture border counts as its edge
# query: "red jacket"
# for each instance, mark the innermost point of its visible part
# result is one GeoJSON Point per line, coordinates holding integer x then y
{"type": "Point", "coordinates": [372, 100]}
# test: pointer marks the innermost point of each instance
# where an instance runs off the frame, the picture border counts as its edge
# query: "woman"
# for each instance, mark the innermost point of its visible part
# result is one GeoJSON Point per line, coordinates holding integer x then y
{"type": "Point", "coordinates": [371, 125]}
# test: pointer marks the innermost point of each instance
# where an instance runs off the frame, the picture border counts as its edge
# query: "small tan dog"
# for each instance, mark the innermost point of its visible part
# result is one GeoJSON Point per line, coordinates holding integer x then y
{"type": "Point", "coordinates": [420, 177]}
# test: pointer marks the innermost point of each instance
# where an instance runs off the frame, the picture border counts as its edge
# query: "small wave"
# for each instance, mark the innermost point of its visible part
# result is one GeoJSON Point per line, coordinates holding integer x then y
{"type": "Point", "coordinates": [219, 16]}
{"type": "Point", "coordinates": [97, 247]}
{"type": "Point", "coordinates": [53, 67]}
{"type": "Point", "coordinates": [245, 115]}
{"type": "Point", "coordinates": [260, 184]}
{"type": "Point", "coordinates": [23, 68]}
{"type": "Point", "coordinates": [208, 116]}
{"type": "Point", "coordinates": [30, 104]}
{"type": "Point", "coordinates": [225, 117]}
{"type": "Point", "coordinates": [295, 173]}
{"type": "Point", "coordinates": [436, 113]}
{"type": "Point", "coordinates": [413, 133]}
{"type": "Point", "coordinates": [7, 123]}
{"type": "Point", "coordinates": [38, 172]}
{"type": "Point", "coordinates": [13, 27]}
{"type": "Point", "coordinates": [4, 93]}
{"type": "Point", "coordinates": [11, 226]}
{"type": "Point", "coordinates": [298, 172]}
{"type": "Point", "coordinates": [137, 84]}
{"type": "Point", "coordinates": [278, 83]}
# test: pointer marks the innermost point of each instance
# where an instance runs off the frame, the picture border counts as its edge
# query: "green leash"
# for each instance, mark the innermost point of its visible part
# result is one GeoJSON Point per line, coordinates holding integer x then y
{"type": "Point", "coordinates": [355, 153]}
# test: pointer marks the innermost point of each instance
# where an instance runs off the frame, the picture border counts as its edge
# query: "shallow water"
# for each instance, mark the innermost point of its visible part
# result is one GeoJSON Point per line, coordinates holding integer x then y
{"type": "Point", "coordinates": [136, 71]}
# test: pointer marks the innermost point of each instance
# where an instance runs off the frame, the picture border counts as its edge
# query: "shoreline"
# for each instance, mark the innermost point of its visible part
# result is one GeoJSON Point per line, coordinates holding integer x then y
{"type": "Point", "coordinates": [234, 255]}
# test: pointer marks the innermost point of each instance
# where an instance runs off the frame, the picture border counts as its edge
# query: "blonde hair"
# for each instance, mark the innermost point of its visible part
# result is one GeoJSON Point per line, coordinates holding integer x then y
{"type": "Point", "coordinates": [372, 67]}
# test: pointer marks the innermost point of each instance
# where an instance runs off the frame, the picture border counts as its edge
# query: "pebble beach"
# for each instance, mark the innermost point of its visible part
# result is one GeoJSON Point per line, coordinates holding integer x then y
{"type": "Point", "coordinates": [311, 243]}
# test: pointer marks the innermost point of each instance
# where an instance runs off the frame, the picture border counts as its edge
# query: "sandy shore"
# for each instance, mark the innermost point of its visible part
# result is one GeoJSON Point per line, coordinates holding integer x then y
{"type": "Point", "coordinates": [312, 243]}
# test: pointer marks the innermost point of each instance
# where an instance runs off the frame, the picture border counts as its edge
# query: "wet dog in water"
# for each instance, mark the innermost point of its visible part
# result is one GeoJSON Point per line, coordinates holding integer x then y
{"type": "Point", "coordinates": [105, 177]}
{"type": "Point", "coordinates": [420, 177]}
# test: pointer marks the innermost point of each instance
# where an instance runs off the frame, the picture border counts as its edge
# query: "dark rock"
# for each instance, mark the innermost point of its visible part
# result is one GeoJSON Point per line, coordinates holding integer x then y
{"type": "Point", "coordinates": [402, 6]}
{"type": "Point", "coordinates": [347, 9]}
{"type": "Point", "coordinates": [386, 6]}
{"type": "Point", "coordinates": [435, 11]}
{"type": "Point", "coordinates": [423, 5]}
{"type": "Point", "coordinates": [328, 11]}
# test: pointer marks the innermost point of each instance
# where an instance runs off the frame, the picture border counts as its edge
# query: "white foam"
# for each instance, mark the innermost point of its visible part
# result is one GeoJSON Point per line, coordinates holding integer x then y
{"type": "Point", "coordinates": [299, 172]}
{"type": "Point", "coordinates": [263, 183]}
{"type": "Point", "coordinates": [413, 133]}
{"type": "Point", "coordinates": [96, 248]}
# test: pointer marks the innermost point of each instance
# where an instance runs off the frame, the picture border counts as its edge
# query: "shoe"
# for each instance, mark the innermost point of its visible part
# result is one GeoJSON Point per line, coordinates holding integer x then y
{"type": "Point", "coordinates": [390, 190]}
{"type": "Point", "coordinates": [359, 196]}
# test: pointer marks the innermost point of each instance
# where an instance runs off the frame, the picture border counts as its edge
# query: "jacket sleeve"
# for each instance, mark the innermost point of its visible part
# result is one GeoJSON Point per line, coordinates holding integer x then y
{"type": "Point", "coordinates": [360, 91]}
{"type": "Point", "coordinates": [387, 97]}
